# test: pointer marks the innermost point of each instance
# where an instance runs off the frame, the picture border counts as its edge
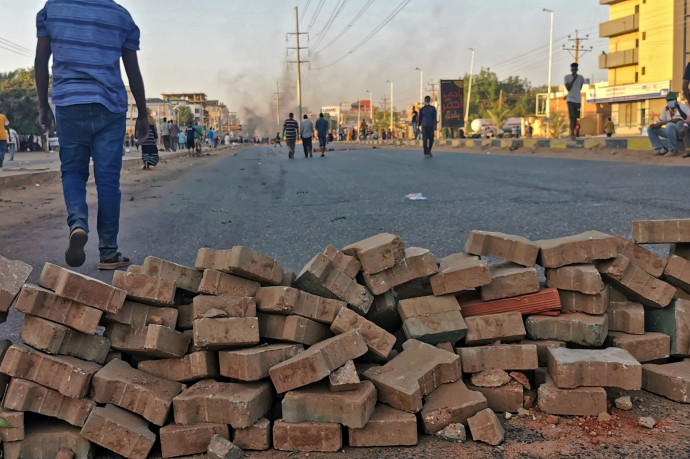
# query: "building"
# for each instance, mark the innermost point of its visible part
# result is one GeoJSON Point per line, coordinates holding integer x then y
{"type": "Point", "coordinates": [646, 58]}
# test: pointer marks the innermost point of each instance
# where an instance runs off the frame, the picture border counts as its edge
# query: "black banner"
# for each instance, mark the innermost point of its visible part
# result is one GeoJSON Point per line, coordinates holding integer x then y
{"type": "Point", "coordinates": [452, 104]}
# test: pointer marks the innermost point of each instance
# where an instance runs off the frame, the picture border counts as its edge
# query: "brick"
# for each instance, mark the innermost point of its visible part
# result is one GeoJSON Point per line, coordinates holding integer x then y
{"type": "Point", "coordinates": [54, 338]}
{"type": "Point", "coordinates": [185, 278]}
{"type": "Point", "coordinates": [432, 319]}
{"type": "Point", "coordinates": [583, 401]}
{"type": "Point", "coordinates": [149, 341]}
{"type": "Point", "coordinates": [636, 283]}
{"type": "Point", "coordinates": [318, 308]}
{"type": "Point", "coordinates": [386, 427]}
{"type": "Point", "coordinates": [418, 263]}
{"type": "Point", "coordinates": [67, 375]}
{"type": "Point", "coordinates": [119, 431]}
{"type": "Point", "coordinates": [292, 328]}
{"type": "Point", "coordinates": [485, 427]}
{"type": "Point", "coordinates": [187, 439]}
{"type": "Point", "coordinates": [661, 231]}
{"type": "Point", "coordinates": [146, 289]}
{"type": "Point", "coordinates": [645, 348]}
{"type": "Point", "coordinates": [508, 247]}
{"type": "Point", "coordinates": [579, 248]}
{"type": "Point", "coordinates": [378, 252]}
{"type": "Point", "coordinates": [459, 272]}
{"type": "Point", "coordinates": [43, 303]}
{"type": "Point", "coordinates": [252, 364]}
{"type": "Point", "coordinates": [316, 403]}
{"type": "Point", "coordinates": [191, 367]}
{"type": "Point", "coordinates": [277, 300]}
{"type": "Point", "coordinates": [449, 403]}
{"type": "Point", "coordinates": [490, 378]}
{"type": "Point", "coordinates": [413, 289]}
{"type": "Point", "coordinates": [575, 328]}
{"type": "Point", "coordinates": [582, 302]}
{"type": "Point", "coordinates": [321, 277]}
{"type": "Point", "coordinates": [217, 283]}
{"type": "Point", "coordinates": [65, 453]}
{"type": "Point", "coordinates": [543, 302]}
{"type": "Point", "coordinates": [256, 437]}
{"type": "Point", "coordinates": [239, 405]}
{"type": "Point", "coordinates": [24, 395]}
{"type": "Point", "coordinates": [133, 313]}
{"type": "Point", "coordinates": [583, 278]}
{"type": "Point", "coordinates": [307, 436]}
{"type": "Point", "coordinates": [384, 312]}
{"type": "Point", "coordinates": [507, 326]}
{"type": "Point", "coordinates": [219, 333]}
{"type": "Point", "coordinates": [222, 448]}
{"type": "Point", "coordinates": [674, 321]}
{"type": "Point", "coordinates": [379, 341]}
{"type": "Point", "coordinates": [242, 262]}
{"type": "Point", "coordinates": [610, 367]}
{"type": "Point", "coordinates": [134, 390]}
{"type": "Point", "coordinates": [288, 278]}
{"type": "Point", "coordinates": [670, 380]}
{"type": "Point", "coordinates": [417, 371]}
{"type": "Point", "coordinates": [318, 361]}
{"type": "Point", "coordinates": [137, 269]}
{"type": "Point", "coordinates": [677, 272]}
{"type": "Point", "coordinates": [344, 378]}
{"type": "Point", "coordinates": [345, 263]}
{"type": "Point", "coordinates": [16, 420]}
{"type": "Point", "coordinates": [500, 357]}
{"type": "Point", "coordinates": [49, 276]}
{"type": "Point", "coordinates": [13, 275]}
{"type": "Point", "coordinates": [85, 290]}
{"type": "Point", "coordinates": [641, 257]}
{"type": "Point", "coordinates": [509, 279]}
{"type": "Point", "coordinates": [626, 316]}
{"type": "Point", "coordinates": [45, 438]}
{"type": "Point", "coordinates": [503, 399]}
{"type": "Point", "coordinates": [543, 349]}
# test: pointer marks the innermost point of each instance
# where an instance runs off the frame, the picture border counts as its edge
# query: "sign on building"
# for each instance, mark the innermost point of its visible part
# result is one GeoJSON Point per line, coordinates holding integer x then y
{"type": "Point", "coordinates": [623, 93]}
{"type": "Point", "coordinates": [452, 104]}
{"type": "Point", "coordinates": [332, 111]}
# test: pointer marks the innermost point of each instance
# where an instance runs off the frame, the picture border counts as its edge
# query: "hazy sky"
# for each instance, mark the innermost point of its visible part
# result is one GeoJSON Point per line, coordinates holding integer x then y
{"type": "Point", "coordinates": [235, 50]}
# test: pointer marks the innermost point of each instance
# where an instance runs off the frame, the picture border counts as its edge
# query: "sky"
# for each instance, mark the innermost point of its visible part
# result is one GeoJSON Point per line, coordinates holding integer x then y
{"type": "Point", "coordinates": [237, 50]}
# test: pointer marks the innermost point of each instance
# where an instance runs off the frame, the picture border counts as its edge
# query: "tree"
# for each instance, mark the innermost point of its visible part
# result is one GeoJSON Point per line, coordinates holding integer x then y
{"type": "Point", "coordinates": [558, 125]}
{"type": "Point", "coordinates": [19, 101]}
{"type": "Point", "coordinates": [184, 115]}
{"type": "Point", "coordinates": [499, 117]}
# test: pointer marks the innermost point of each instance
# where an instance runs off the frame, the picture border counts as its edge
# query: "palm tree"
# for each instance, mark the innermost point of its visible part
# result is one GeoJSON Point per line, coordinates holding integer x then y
{"type": "Point", "coordinates": [558, 125]}
{"type": "Point", "coordinates": [498, 117]}
{"type": "Point", "coordinates": [184, 115]}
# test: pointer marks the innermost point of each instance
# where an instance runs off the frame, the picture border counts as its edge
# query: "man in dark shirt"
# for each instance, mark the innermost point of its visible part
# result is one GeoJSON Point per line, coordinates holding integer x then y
{"type": "Point", "coordinates": [415, 131]}
{"type": "Point", "coordinates": [427, 119]}
{"type": "Point", "coordinates": [290, 128]}
{"type": "Point", "coordinates": [321, 132]}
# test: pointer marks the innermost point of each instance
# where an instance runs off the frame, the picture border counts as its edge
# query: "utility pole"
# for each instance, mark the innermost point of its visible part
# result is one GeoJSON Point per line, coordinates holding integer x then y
{"type": "Point", "coordinates": [433, 91]}
{"type": "Point", "coordinates": [391, 126]}
{"type": "Point", "coordinates": [576, 49]}
{"type": "Point", "coordinates": [548, 101]}
{"type": "Point", "coordinates": [469, 90]}
{"type": "Point", "coordinates": [299, 63]}
{"type": "Point", "coordinates": [277, 94]}
{"type": "Point", "coordinates": [384, 101]}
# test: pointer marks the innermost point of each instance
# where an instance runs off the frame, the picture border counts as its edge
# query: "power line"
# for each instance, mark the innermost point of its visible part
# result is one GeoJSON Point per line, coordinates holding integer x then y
{"type": "Point", "coordinates": [304, 11]}
{"type": "Point", "coordinates": [338, 9]}
{"type": "Point", "coordinates": [350, 24]}
{"type": "Point", "coordinates": [15, 51]}
{"type": "Point", "coordinates": [316, 15]}
{"type": "Point", "coordinates": [14, 45]}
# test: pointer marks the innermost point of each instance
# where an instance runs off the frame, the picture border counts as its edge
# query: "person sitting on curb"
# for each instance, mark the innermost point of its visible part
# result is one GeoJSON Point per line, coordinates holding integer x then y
{"type": "Point", "coordinates": [673, 116]}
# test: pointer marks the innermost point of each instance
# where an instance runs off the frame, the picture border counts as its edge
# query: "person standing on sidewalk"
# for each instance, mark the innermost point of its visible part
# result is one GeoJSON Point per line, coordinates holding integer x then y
{"type": "Point", "coordinates": [290, 128]}
{"type": "Point", "coordinates": [165, 133]}
{"type": "Point", "coordinates": [427, 119]}
{"type": "Point", "coordinates": [173, 130]}
{"type": "Point", "coordinates": [322, 132]}
{"type": "Point", "coordinates": [573, 83]}
{"type": "Point", "coordinates": [12, 142]}
{"type": "Point", "coordinates": [609, 128]}
{"type": "Point", "coordinates": [306, 132]}
{"type": "Point", "coordinates": [87, 41]}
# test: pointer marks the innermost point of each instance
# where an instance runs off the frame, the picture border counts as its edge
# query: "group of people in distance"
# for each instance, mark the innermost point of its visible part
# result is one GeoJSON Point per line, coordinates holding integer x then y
{"type": "Point", "coordinates": [306, 130]}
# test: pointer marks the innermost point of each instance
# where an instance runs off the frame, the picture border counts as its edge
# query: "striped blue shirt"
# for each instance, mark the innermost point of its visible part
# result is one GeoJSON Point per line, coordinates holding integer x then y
{"type": "Point", "coordinates": [87, 38]}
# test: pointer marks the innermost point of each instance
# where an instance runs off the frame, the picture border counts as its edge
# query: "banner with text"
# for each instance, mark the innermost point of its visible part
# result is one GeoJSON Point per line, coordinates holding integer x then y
{"type": "Point", "coordinates": [452, 104]}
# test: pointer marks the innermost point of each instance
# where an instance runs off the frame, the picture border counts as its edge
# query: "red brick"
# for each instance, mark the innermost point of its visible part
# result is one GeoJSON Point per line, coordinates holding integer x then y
{"type": "Point", "coordinates": [187, 439]}
{"type": "Point", "coordinates": [148, 341]}
{"type": "Point", "coordinates": [583, 278]}
{"type": "Point", "coordinates": [576, 328]}
{"type": "Point", "coordinates": [661, 231]}
{"type": "Point", "coordinates": [133, 313]}
{"type": "Point", "coordinates": [378, 252]}
{"type": "Point", "coordinates": [292, 328]}
{"type": "Point", "coordinates": [671, 380]}
{"type": "Point", "coordinates": [67, 375]}
{"type": "Point", "coordinates": [49, 276]}
{"type": "Point", "coordinates": [645, 348]}
{"type": "Point", "coordinates": [191, 367]}
{"type": "Point", "coordinates": [509, 279]}
{"type": "Point", "coordinates": [450, 403]}
{"type": "Point", "coordinates": [307, 436]}
{"type": "Point", "coordinates": [546, 301]}
{"type": "Point", "coordinates": [578, 248]}
{"type": "Point", "coordinates": [677, 272]}
{"type": "Point", "coordinates": [418, 263]}
{"type": "Point", "coordinates": [432, 319]}
{"type": "Point", "coordinates": [24, 395]}
{"type": "Point", "coordinates": [277, 300]}
{"type": "Point", "coordinates": [222, 448]}
{"type": "Point", "coordinates": [379, 341]}
{"type": "Point", "coordinates": [226, 332]}
{"type": "Point", "coordinates": [641, 257]}
{"type": "Point", "coordinates": [344, 378]}
{"type": "Point", "coordinates": [16, 420]}
{"type": "Point", "coordinates": [459, 272]}
{"type": "Point", "coordinates": [386, 427]}
{"type": "Point", "coordinates": [135, 390]}
{"type": "Point", "coordinates": [13, 274]}
{"type": "Point", "coordinates": [86, 290]}
{"type": "Point", "coordinates": [582, 302]}
{"type": "Point", "coordinates": [119, 431]}
{"type": "Point", "coordinates": [218, 283]}
{"type": "Point", "coordinates": [184, 277]}
{"type": "Point", "coordinates": [503, 399]}
{"type": "Point", "coordinates": [611, 367]}
{"type": "Point", "coordinates": [318, 308]}
{"type": "Point", "coordinates": [636, 283]}
{"type": "Point", "coordinates": [583, 401]}
{"type": "Point", "coordinates": [152, 290]}
{"type": "Point", "coordinates": [507, 326]}
{"type": "Point", "coordinates": [256, 437]}
{"type": "Point", "coordinates": [490, 378]}
{"type": "Point", "coordinates": [243, 262]}
{"type": "Point", "coordinates": [239, 405]}
{"type": "Point", "coordinates": [252, 364]}
{"type": "Point", "coordinates": [626, 316]}
{"type": "Point", "coordinates": [501, 357]}
{"type": "Point", "coordinates": [45, 438]}
{"type": "Point", "coordinates": [485, 427]}
{"type": "Point", "coordinates": [508, 247]}
{"type": "Point", "coordinates": [345, 263]}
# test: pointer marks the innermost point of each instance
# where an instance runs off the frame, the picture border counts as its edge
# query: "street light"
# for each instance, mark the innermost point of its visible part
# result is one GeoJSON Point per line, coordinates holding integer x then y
{"type": "Point", "coordinates": [469, 90]}
{"type": "Point", "coordinates": [548, 101]}
{"type": "Point", "coordinates": [421, 85]}
{"type": "Point", "coordinates": [389, 81]}
{"type": "Point", "coordinates": [371, 106]}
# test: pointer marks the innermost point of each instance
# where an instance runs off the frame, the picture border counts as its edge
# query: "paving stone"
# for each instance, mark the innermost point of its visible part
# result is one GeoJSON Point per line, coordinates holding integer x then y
{"type": "Point", "coordinates": [413, 289]}
{"type": "Point", "coordinates": [243, 262]}
{"type": "Point", "coordinates": [576, 328]}
{"type": "Point", "coordinates": [610, 367]}
{"type": "Point", "coordinates": [418, 370]}
{"type": "Point", "coordinates": [583, 401]}
{"type": "Point", "coordinates": [459, 272]}
{"type": "Point", "coordinates": [432, 319]}
{"type": "Point", "coordinates": [119, 431]}
{"type": "Point", "coordinates": [641, 257]}
{"type": "Point", "coordinates": [677, 272]}
{"type": "Point", "coordinates": [674, 321]}
{"type": "Point", "coordinates": [296, 329]}
{"type": "Point", "coordinates": [681, 249]}
{"type": "Point", "coordinates": [386, 427]}
{"type": "Point", "coordinates": [154, 341]}
{"type": "Point", "coordinates": [501, 357]}
{"type": "Point", "coordinates": [25, 395]}
{"type": "Point", "coordinates": [626, 316]}
{"type": "Point", "coordinates": [418, 263]}
{"type": "Point", "coordinates": [318, 361]}
{"type": "Point", "coordinates": [645, 347]}
{"type": "Point", "coordinates": [543, 348]}
{"type": "Point", "coordinates": [16, 420]}
{"type": "Point", "coordinates": [133, 313]}
{"type": "Point", "coordinates": [671, 380]}
{"type": "Point", "coordinates": [318, 308]}
{"type": "Point", "coordinates": [661, 231]}
{"type": "Point", "coordinates": [307, 436]}
{"type": "Point", "coordinates": [134, 390]}
{"type": "Point", "coordinates": [317, 403]}
{"type": "Point", "coordinates": [490, 378]}
{"type": "Point", "coordinates": [378, 252]}
{"type": "Point", "coordinates": [222, 448]}
{"type": "Point", "coordinates": [507, 326]}
{"type": "Point", "coordinates": [54, 338]}
{"type": "Point", "coordinates": [583, 278]}
{"type": "Point", "coordinates": [344, 378]}
{"type": "Point", "coordinates": [509, 279]}
{"type": "Point", "coordinates": [578, 248]}
{"type": "Point", "coordinates": [288, 278]}
{"type": "Point", "coordinates": [256, 437]}
{"type": "Point", "coordinates": [67, 375]}
{"type": "Point", "coordinates": [232, 306]}
{"type": "Point", "coordinates": [345, 263]}
{"type": "Point", "coordinates": [636, 283]}
{"type": "Point", "coordinates": [277, 300]}
{"type": "Point", "coordinates": [239, 405]}
{"type": "Point", "coordinates": [185, 278]}
{"type": "Point", "coordinates": [45, 438]}
{"type": "Point", "coordinates": [225, 332]}
{"type": "Point", "coordinates": [187, 439]}
{"type": "Point", "coordinates": [507, 398]}
{"type": "Point", "coordinates": [143, 288]}
{"type": "Point", "coordinates": [43, 303]}
{"type": "Point", "coordinates": [217, 283]}
{"type": "Point", "coordinates": [485, 427]}
{"type": "Point", "coordinates": [13, 275]}
{"type": "Point", "coordinates": [378, 340]}
{"type": "Point", "coordinates": [252, 364]}
{"type": "Point", "coordinates": [582, 302]}
{"type": "Point", "coordinates": [83, 289]}
{"type": "Point", "coordinates": [449, 403]}
{"type": "Point", "coordinates": [508, 247]}
{"type": "Point", "coordinates": [191, 367]}
{"type": "Point", "coordinates": [384, 312]}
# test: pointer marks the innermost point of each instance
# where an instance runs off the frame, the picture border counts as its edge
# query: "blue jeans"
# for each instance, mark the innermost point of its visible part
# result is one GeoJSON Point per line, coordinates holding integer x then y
{"type": "Point", "coordinates": [3, 149]}
{"type": "Point", "coordinates": [92, 131]}
{"type": "Point", "coordinates": [669, 132]}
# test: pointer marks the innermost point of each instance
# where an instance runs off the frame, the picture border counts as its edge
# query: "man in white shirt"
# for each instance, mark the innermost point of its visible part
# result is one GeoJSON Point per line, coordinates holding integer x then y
{"type": "Point", "coordinates": [306, 131]}
{"type": "Point", "coordinates": [13, 142]}
{"type": "Point", "coordinates": [573, 83]}
{"type": "Point", "coordinates": [670, 123]}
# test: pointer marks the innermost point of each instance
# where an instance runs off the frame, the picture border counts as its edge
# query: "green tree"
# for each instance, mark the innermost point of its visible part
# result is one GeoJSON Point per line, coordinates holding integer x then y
{"type": "Point", "coordinates": [184, 115]}
{"type": "Point", "coordinates": [18, 100]}
{"type": "Point", "coordinates": [558, 126]}
{"type": "Point", "coordinates": [499, 117]}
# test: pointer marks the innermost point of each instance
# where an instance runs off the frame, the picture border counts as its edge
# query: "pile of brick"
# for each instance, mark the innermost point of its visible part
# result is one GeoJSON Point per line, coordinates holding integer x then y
{"type": "Point", "coordinates": [238, 353]}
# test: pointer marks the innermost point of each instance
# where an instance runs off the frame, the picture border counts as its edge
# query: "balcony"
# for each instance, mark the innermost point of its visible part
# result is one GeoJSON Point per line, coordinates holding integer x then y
{"type": "Point", "coordinates": [620, 26]}
{"type": "Point", "coordinates": [610, 2]}
{"type": "Point", "coordinates": [619, 59]}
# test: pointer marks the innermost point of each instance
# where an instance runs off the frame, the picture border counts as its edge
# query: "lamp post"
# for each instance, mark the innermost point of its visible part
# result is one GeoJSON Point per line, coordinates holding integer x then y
{"type": "Point", "coordinates": [469, 90]}
{"type": "Point", "coordinates": [421, 84]}
{"type": "Point", "coordinates": [389, 81]}
{"type": "Point", "coordinates": [548, 90]}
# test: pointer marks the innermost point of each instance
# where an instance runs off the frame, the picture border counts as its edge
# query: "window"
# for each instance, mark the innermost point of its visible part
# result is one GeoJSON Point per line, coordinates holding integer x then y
{"type": "Point", "coordinates": [644, 35]}
{"type": "Point", "coordinates": [636, 77]}
{"type": "Point", "coordinates": [644, 70]}
{"type": "Point", "coordinates": [637, 8]}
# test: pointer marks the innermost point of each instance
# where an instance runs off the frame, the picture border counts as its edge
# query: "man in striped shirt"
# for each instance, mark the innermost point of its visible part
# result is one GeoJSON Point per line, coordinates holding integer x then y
{"type": "Point", "coordinates": [87, 40]}
{"type": "Point", "coordinates": [290, 128]}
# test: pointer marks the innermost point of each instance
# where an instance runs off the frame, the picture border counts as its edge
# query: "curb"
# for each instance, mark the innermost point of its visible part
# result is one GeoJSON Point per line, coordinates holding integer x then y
{"type": "Point", "coordinates": [640, 144]}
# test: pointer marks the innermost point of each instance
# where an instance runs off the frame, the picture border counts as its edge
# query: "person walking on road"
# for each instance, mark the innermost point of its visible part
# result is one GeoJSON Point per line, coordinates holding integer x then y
{"type": "Point", "coordinates": [12, 142]}
{"type": "Point", "coordinates": [165, 133]}
{"type": "Point", "coordinates": [149, 149]}
{"type": "Point", "coordinates": [427, 120]}
{"type": "Point", "coordinates": [573, 83]}
{"type": "Point", "coordinates": [276, 141]}
{"type": "Point", "coordinates": [4, 137]}
{"type": "Point", "coordinates": [415, 123]}
{"type": "Point", "coordinates": [322, 132]}
{"type": "Point", "coordinates": [190, 133]}
{"type": "Point", "coordinates": [87, 41]}
{"type": "Point", "coordinates": [306, 132]}
{"type": "Point", "coordinates": [290, 128]}
{"type": "Point", "coordinates": [174, 130]}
